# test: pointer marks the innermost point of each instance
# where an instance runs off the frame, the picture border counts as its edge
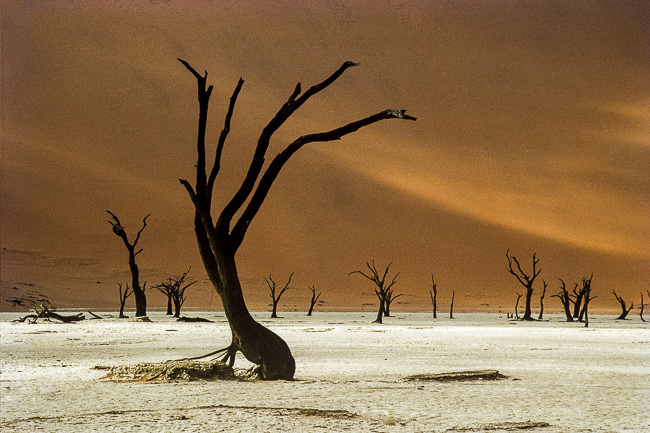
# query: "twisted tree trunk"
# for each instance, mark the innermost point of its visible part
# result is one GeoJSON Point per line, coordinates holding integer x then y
{"type": "Point", "coordinates": [218, 242]}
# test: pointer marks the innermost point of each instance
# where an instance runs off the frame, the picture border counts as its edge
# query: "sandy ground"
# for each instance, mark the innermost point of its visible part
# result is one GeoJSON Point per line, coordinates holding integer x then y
{"type": "Point", "coordinates": [349, 371]}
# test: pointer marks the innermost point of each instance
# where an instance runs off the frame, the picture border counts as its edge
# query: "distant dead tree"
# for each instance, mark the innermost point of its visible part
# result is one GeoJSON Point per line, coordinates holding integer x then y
{"type": "Point", "coordinates": [585, 309]}
{"type": "Point", "coordinates": [433, 293]}
{"type": "Point", "coordinates": [451, 307]}
{"type": "Point", "coordinates": [642, 305]}
{"type": "Point", "coordinates": [525, 279]}
{"type": "Point", "coordinates": [166, 290]}
{"type": "Point", "coordinates": [585, 291]}
{"type": "Point", "coordinates": [517, 305]}
{"type": "Point", "coordinates": [275, 294]}
{"type": "Point", "coordinates": [138, 291]}
{"type": "Point", "coordinates": [541, 301]}
{"type": "Point", "coordinates": [124, 295]}
{"type": "Point", "coordinates": [220, 238]}
{"type": "Point", "coordinates": [381, 286]}
{"type": "Point", "coordinates": [42, 308]}
{"type": "Point", "coordinates": [624, 310]}
{"type": "Point", "coordinates": [390, 296]}
{"type": "Point", "coordinates": [565, 299]}
{"type": "Point", "coordinates": [175, 288]}
{"type": "Point", "coordinates": [314, 299]}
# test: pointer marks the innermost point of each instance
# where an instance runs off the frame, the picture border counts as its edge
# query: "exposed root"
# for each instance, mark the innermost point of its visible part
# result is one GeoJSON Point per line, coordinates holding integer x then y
{"type": "Point", "coordinates": [229, 355]}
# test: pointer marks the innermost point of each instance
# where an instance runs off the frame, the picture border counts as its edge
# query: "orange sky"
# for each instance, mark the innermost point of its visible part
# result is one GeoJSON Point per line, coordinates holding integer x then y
{"type": "Point", "coordinates": [533, 134]}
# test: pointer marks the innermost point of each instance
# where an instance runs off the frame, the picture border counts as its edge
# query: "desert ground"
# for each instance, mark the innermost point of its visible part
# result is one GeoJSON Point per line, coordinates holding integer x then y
{"type": "Point", "coordinates": [560, 377]}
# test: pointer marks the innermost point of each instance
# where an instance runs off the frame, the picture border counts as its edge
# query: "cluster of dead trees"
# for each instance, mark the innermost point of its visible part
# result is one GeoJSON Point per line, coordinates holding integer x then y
{"type": "Point", "coordinates": [276, 294]}
{"type": "Point", "coordinates": [575, 303]}
{"type": "Point", "coordinates": [386, 294]}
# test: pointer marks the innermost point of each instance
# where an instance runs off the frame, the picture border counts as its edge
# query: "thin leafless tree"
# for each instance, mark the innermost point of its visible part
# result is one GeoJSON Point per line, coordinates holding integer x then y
{"type": "Point", "coordinates": [643, 305]}
{"type": "Point", "coordinates": [175, 288]}
{"type": "Point", "coordinates": [541, 301]}
{"type": "Point", "coordinates": [517, 305]}
{"type": "Point", "coordinates": [138, 290]}
{"type": "Point", "coordinates": [526, 279]}
{"type": "Point", "coordinates": [564, 298]}
{"type": "Point", "coordinates": [381, 285]}
{"type": "Point", "coordinates": [220, 240]}
{"type": "Point", "coordinates": [314, 299]}
{"type": "Point", "coordinates": [275, 294]}
{"type": "Point", "coordinates": [624, 309]}
{"type": "Point", "coordinates": [124, 295]}
{"type": "Point", "coordinates": [433, 293]}
{"type": "Point", "coordinates": [451, 307]}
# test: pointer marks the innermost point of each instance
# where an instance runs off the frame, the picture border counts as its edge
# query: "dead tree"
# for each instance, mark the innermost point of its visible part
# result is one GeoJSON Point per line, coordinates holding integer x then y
{"type": "Point", "coordinates": [138, 291]}
{"type": "Point", "coordinates": [46, 311]}
{"type": "Point", "coordinates": [585, 292]}
{"type": "Point", "coordinates": [219, 240]}
{"type": "Point", "coordinates": [381, 287]}
{"type": "Point", "coordinates": [165, 289]}
{"type": "Point", "coordinates": [642, 306]}
{"type": "Point", "coordinates": [451, 308]}
{"type": "Point", "coordinates": [390, 296]}
{"type": "Point", "coordinates": [577, 299]}
{"type": "Point", "coordinates": [175, 288]}
{"type": "Point", "coordinates": [124, 295]}
{"type": "Point", "coordinates": [541, 302]}
{"type": "Point", "coordinates": [624, 310]}
{"type": "Point", "coordinates": [517, 305]}
{"type": "Point", "coordinates": [314, 299]}
{"type": "Point", "coordinates": [433, 293]}
{"type": "Point", "coordinates": [275, 295]}
{"type": "Point", "coordinates": [526, 280]}
{"type": "Point", "coordinates": [564, 298]}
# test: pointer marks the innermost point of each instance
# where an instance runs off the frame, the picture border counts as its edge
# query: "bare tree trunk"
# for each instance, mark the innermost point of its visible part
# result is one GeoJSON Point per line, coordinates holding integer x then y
{"type": "Point", "coordinates": [642, 306]}
{"type": "Point", "coordinates": [138, 291]}
{"type": "Point", "coordinates": [314, 299]}
{"type": "Point", "coordinates": [218, 242]}
{"type": "Point", "coordinates": [624, 310]}
{"type": "Point", "coordinates": [169, 305]}
{"type": "Point", "coordinates": [541, 302]}
{"type": "Point", "coordinates": [451, 308]}
{"type": "Point", "coordinates": [124, 295]}
{"type": "Point", "coordinates": [524, 279]}
{"type": "Point", "coordinates": [433, 293]}
{"type": "Point", "coordinates": [275, 295]}
{"type": "Point", "coordinates": [564, 298]}
{"type": "Point", "coordinates": [517, 306]}
{"type": "Point", "coordinates": [177, 307]}
{"type": "Point", "coordinates": [381, 289]}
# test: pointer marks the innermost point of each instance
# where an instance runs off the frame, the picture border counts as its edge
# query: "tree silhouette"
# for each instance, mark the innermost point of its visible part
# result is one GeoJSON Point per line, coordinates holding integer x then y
{"type": "Point", "coordinates": [124, 295]}
{"type": "Point", "coordinates": [381, 286]}
{"type": "Point", "coordinates": [525, 279]}
{"type": "Point", "coordinates": [314, 299]}
{"type": "Point", "coordinates": [564, 298]}
{"type": "Point", "coordinates": [138, 291]}
{"type": "Point", "coordinates": [175, 289]}
{"type": "Point", "coordinates": [433, 293]}
{"type": "Point", "coordinates": [275, 294]}
{"type": "Point", "coordinates": [624, 309]}
{"type": "Point", "coordinates": [219, 240]}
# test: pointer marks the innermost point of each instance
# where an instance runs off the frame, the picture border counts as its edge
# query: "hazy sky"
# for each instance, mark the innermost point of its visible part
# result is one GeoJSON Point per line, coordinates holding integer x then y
{"type": "Point", "coordinates": [533, 134]}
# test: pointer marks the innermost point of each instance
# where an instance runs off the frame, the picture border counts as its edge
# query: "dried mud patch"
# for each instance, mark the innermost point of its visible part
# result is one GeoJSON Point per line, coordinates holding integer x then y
{"type": "Point", "coordinates": [457, 376]}
{"type": "Point", "coordinates": [502, 426]}
{"type": "Point", "coordinates": [170, 371]}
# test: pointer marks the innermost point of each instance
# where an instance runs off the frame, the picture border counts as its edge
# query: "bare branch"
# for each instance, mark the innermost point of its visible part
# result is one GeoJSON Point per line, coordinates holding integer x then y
{"type": "Point", "coordinates": [271, 173]}
{"type": "Point", "coordinates": [222, 139]}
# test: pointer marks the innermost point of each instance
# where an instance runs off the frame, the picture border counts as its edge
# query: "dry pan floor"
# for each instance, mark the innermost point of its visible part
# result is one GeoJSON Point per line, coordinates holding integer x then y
{"type": "Point", "coordinates": [560, 377]}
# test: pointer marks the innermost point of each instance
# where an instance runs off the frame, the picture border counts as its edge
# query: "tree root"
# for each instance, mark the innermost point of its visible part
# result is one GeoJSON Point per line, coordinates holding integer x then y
{"type": "Point", "coordinates": [229, 352]}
